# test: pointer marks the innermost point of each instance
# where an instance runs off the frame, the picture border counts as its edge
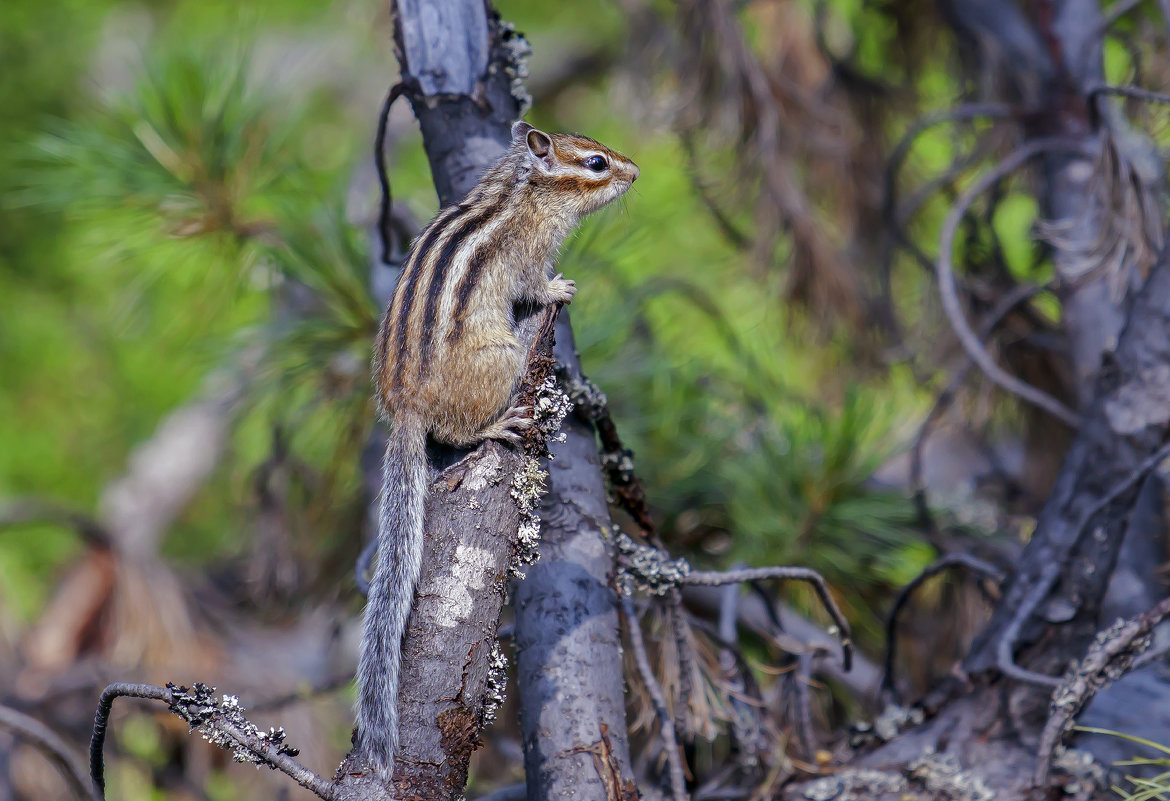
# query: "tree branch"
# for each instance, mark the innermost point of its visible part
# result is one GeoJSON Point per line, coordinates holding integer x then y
{"type": "Point", "coordinates": [974, 564]}
{"type": "Point", "coordinates": [678, 786]}
{"type": "Point", "coordinates": [1109, 658]}
{"type": "Point", "coordinates": [71, 765]}
{"type": "Point", "coordinates": [220, 722]}
{"type": "Point", "coordinates": [949, 294]}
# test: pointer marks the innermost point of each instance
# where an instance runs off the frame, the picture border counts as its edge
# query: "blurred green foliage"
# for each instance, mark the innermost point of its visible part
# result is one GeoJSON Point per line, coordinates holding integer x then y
{"type": "Point", "coordinates": [169, 189]}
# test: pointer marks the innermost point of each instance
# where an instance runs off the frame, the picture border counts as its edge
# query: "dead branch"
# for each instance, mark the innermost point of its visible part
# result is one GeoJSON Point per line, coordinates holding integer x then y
{"type": "Point", "coordinates": [386, 232]}
{"type": "Point", "coordinates": [797, 635]}
{"type": "Point", "coordinates": [29, 511]}
{"type": "Point", "coordinates": [972, 563]}
{"type": "Point", "coordinates": [946, 277]}
{"type": "Point", "coordinates": [1110, 657]}
{"type": "Point", "coordinates": [567, 634]}
{"type": "Point", "coordinates": [678, 786]}
{"type": "Point", "coordinates": [745, 725]}
{"type": "Point", "coordinates": [1116, 12]}
{"type": "Point", "coordinates": [71, 764]}
{"type": "Point", "coordinates": [221, 722]}
{"type": "Point", "coordinates": [1135, 92]}
{"type": "Point", "coordinates": [1005, 650]}
{"type": "Point", "coordinates": [713, 578]}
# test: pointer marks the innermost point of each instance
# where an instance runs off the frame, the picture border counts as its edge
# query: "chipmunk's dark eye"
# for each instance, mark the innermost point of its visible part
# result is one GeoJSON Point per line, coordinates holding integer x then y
{"type": "Point", "coordinates": [596, 163]}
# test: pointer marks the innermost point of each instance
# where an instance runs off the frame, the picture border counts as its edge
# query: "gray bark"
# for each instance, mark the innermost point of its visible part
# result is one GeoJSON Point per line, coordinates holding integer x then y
{"type": "Point", "coordinates": [568, 647]}
{"type": "Point", "coordinates": [465, 108]}
{"type": "Point", "coordinates": [464, 68]}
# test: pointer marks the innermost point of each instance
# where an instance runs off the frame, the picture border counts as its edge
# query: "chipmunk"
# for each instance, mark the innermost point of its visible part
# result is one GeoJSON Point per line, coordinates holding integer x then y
{"type": "Point", "coordinates": [447, 363]}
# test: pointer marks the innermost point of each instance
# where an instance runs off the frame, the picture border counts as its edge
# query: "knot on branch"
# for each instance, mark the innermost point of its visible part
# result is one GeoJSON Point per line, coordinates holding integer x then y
{"type": "Point", "coordinates": [200, 709]}
{"type": "Point", "coordinates": [646, 568]}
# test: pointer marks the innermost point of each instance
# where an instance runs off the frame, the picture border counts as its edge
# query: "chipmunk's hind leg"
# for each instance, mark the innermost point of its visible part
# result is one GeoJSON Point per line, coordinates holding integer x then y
{"type": "Point", "coordinates": [510, 427]}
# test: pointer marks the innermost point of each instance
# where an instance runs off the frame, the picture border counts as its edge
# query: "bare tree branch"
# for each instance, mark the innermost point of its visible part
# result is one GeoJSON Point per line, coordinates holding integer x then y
{"type": "Point", "coordinates": [1005, 659]}
{"type": "Point", "coordinates": [712, 578]}
{"type": "Point", "coordinates": [27, 511]}
{"type": "Point", "coordinates": [71, 764]}
{"type": "Point", "coordinates": [220, 722]}
{"type": "Point", "coordinates": [972, 563]}
{"type": "Point", "coordinates": [1135, 92]}
{"type": "Point", "coordinates": [1111, 656]}
{"type": "Point", "coordinates": [678, 786]}
{"type": "Point", "coordinates": [949, 294]}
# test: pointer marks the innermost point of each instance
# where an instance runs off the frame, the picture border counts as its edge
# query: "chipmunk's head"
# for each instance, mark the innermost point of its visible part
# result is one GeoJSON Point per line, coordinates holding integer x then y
{"type": "Point", "coordinates": [574, 174]}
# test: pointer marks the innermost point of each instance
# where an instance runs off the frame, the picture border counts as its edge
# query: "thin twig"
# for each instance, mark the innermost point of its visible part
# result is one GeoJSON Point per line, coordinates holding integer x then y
{"type": "Point", "coordinates": [221, 722]}
{"type": "Point", "coordinates": [678, 787]}
{"type": "Point", "coordinates": [1116, 12]}
{"type": "Point", "coordinates": [801, 680]}
{"type": "Point", "coordinates": [384, 209]}
{"type": "Point", "coordinates": [964, 112]}
{"type": "Point", "coordinates": [972, 563]}
{"type": "Point", "coordinates": [1135, 92]}
{"type": "Point", "coordinates": [714, 578]}
{"type": "Point", "coordinates": [1005, 648]}
{"type": "Point", "coordinates": [71, 764]}
{"type": "Point", "coordinates": [949, 294]}
{"type": "Point", "coordinates": [745, 723]}
{"type": "Point", "coordinates": [101, 722]}
{"type": "Point", "coordinates": [28, 511]}
{"type": "Point", "coordinates": [1110, 657]}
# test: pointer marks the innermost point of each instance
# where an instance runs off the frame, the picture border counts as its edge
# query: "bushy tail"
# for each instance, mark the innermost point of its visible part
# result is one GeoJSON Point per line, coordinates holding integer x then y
{"type": "Point", "coordinates": [400, 547]}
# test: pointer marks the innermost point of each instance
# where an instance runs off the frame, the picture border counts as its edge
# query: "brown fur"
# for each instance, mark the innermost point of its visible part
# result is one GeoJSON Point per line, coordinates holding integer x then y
{"type": "Point", "coordinates": [447, 349]}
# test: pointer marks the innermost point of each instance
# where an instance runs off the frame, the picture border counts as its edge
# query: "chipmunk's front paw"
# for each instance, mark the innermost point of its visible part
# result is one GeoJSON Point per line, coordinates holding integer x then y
{"type": "Point", "coordinates": [561, 289]}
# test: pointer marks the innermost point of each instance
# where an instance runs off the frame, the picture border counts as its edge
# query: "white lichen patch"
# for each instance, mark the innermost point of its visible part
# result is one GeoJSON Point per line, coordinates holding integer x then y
{"type": "Point", "coordinates": [585, 394]}
{"type": "Point", "coordinates": [1141, 403]}
{"type": "Point", "coordinates": [517, 52]}
{"type": "Point", "coordinates": [942, 773]}
{"type": "Point", "coordinates": [528, 486]}
{"type": "Point", "coordinates": [552, 407]}
{"type": "Point", "coordinates": [646, 568]}
{"type": "Point", "coordinates": [222, 723]}
{"type": "Point", "coordinates": [497, 684]}
{"type": "Point", "coordinates": [894, 719]}
{"type": "Point", "coordinates": [483, 471]}
{"type": "Point", "coordinates": [468, 571]}
{"type": "Point", "coordinates": [855, 785]}
{"type": "Point", "coordinates": [1085, 774]}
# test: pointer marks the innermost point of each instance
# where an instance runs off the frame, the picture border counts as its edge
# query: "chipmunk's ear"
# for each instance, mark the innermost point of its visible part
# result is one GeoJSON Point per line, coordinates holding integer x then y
{"type": "Point", "coordinates": [520, 129]}
{"type": "Point", "coordinates": [539, 143]}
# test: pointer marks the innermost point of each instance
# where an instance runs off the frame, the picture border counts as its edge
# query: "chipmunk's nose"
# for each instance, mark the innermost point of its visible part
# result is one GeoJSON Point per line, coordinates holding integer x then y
{"type": "Point", "coordinates": [637, 172]}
